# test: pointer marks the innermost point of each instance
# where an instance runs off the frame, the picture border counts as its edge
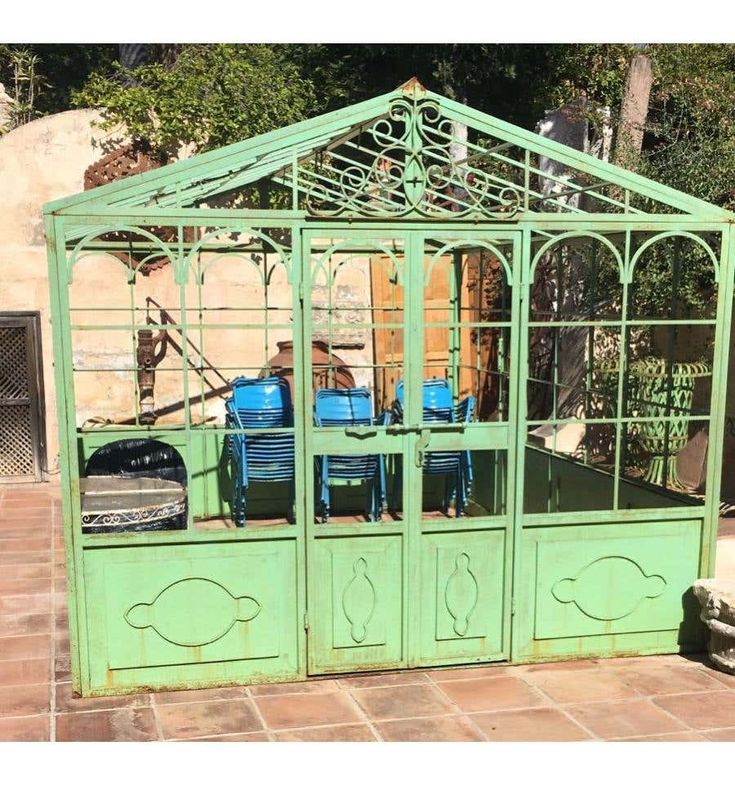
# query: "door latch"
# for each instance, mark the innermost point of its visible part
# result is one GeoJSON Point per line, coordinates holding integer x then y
{"type": "Point", "coordinates": [421, 444]}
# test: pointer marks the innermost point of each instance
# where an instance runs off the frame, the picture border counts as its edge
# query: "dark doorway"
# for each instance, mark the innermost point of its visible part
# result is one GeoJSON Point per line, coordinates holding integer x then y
{"type": "Point", "coordinates": [22, 420]}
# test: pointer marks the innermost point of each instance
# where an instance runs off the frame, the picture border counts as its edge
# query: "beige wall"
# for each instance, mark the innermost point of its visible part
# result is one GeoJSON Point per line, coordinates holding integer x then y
{"type": "Point", "coordinates": [231, 293]}
{"type": "Point", "coordinates": [40, 161]}
{"type": "Point", "coordinates": [46, 160]}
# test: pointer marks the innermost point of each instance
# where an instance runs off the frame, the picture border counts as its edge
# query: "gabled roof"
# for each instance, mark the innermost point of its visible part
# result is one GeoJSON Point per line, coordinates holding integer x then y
{"type": "Point", "coordinates": [400, 154]}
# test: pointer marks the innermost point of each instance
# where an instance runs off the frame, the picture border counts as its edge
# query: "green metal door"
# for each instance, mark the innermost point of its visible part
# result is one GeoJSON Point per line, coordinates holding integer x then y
{"type": "Point", "coordinates": [398, 316]}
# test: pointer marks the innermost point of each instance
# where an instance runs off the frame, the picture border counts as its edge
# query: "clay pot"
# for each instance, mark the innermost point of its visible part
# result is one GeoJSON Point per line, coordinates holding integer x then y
{"type": "Point", "coordinates": [328, 371]}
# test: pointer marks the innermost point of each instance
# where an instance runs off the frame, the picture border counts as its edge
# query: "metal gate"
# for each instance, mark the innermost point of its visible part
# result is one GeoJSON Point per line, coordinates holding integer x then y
{"type": "Point", "coordinates": [21, 398]}
{"type": "Point", "coordinates": [427, 581]}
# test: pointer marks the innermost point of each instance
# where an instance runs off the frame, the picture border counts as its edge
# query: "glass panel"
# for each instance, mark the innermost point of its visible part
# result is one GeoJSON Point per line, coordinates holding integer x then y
{"type": "Point", "coordinates": [573, 372]}
{"type": "Point", "coordinates": [664, 463]}
{"type": "Point", "coordinates": [577, 278]}
{"type": "Point", "coordinates": [357, 312]}
{"type": "Point", "coordinates": [357, 489]}
{"type": "Point", "coordinates": [134, 484]}
{"type": "Point", "coordinates": [467, 305]}
{"type": "Point", "coordinates": [673, 278]}
{"type": "Point", "coordinates": [464, 483]}
{"type": "Point", "coordinates": [570, 467]}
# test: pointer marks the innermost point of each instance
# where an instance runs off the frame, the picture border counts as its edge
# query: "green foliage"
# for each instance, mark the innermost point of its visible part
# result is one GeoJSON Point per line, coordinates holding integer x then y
{"type": "Point", "coordinates": [212, 95]}
{"type": "Point", "coordinates": [57, 69]}
{"type": "Point", "coordinates": [19, 72]}
{"type": "Point", "coordinates": [690, 140]}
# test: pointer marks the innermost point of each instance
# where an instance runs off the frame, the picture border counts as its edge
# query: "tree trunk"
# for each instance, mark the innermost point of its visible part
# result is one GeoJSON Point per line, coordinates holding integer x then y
{"type": "Point", "coordinates": [634, 111]}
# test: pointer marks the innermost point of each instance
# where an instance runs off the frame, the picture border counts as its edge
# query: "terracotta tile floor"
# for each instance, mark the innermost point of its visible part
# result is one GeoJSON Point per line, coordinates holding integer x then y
{"type": "Point", "coordinates": [657, 698]}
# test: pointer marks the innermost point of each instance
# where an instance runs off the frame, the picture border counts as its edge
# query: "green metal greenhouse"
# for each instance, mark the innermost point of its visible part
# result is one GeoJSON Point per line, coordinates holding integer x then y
{"type": "Point", "coordinates": [338, 399]}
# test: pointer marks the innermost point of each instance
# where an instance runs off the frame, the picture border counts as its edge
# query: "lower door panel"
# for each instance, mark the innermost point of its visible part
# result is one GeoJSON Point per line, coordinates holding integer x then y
{"type": "Point", "coordinates": [606, 589]}
{"type": "Point", "coordinates": [356, 605]}
{"type": "Point", "coordinates": [462, 596]}
{"type": "Point", "coordinates": [190, 615]}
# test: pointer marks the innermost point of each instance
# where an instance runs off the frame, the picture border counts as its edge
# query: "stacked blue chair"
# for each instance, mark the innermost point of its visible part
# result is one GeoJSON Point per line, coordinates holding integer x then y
{"type": "Point", "coordinates": [438, 407]}
{"type": "Point", "coordinates": [259, 404]}
{"type": "Point", "coordinates": [350, 407]}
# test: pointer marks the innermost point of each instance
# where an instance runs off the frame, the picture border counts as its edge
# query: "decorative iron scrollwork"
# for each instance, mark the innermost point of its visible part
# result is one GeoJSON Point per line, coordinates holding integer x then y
{"type": "Point", "coordinates": [402, 165]}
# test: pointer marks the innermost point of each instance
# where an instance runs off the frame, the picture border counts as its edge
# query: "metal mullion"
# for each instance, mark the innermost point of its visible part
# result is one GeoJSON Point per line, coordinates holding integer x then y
{"type": "Point", "coordinates": [199, 283]}
{"type": "Point", "coordinates": [342, 328]}
{"type": "Point", "coordinates": [460, 324]}
{"type": "Point", "coordinates": [413, 374]}
{"type": "Point", "coordinates": [718, 401]}
{"type": "Point", "coordinates": [185, 362]}
{"type": "Point", "coordinates": [619, 322]}
{"type": "Point", "coordinates": [133, 353]}
{"type": "Point", "coordinates": [622, 371]}
{"type": "Point", "coordinates": [517, 419]}
{"type": "Point", "coordinates": [266, 275]}
{"type": "Point", "coordinates": [66, 408]}
{"type": "Point", "coordinates": [215, 309]}
{"type": "Point", "coordinates": [303, 466]}
{"type": "Point", "coordinates": [331, 376]}
{"type": "Point", "coordinates": [455, 273]}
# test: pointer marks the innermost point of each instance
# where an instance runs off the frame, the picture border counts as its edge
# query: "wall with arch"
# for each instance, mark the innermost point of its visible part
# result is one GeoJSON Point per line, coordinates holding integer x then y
{"type": "Point", "coordinates": [40, 161]}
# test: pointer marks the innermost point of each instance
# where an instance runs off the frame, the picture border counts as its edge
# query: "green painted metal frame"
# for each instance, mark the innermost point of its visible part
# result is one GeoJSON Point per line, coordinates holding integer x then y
{"type": "Point", "coordinates": [168, 197]}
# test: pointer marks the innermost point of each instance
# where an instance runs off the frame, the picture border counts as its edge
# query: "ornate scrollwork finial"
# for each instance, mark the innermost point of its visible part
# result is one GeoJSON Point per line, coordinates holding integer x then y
{"type": "Point", "coordinates": [403, 167]}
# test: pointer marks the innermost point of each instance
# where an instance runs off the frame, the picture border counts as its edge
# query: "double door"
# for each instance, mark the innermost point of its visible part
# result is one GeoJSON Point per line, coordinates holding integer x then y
{"type": "Point", "coordinates": [409, 541]}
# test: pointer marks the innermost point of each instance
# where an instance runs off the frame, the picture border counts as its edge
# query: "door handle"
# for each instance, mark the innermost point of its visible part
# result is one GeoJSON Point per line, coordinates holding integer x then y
{"type": "Point", "coordinates": [361, 431]}
{"type": "Point", "coordinates": [421, 444]}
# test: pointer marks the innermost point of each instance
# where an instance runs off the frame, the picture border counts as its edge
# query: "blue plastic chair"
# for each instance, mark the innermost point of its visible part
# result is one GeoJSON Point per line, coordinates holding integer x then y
{"type": "Point", "coordinates": [350, 407]}
{"type": "Point", "coordinates": [438, 407]}
{"type": "Point", "coordinates": [259, 404]}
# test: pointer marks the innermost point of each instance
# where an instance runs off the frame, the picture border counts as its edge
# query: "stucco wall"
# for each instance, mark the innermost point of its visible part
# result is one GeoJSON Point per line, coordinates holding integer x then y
{"type": "Point", "coordinates": [46, 160]}
{"type": "Point", "coordinates": [39, 161]}
{"type": "Point", "coordinates": [231, 296]}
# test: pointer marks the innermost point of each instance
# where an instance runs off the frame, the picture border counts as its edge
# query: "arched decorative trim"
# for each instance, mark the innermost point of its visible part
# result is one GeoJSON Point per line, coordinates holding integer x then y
{"type": "Point", "coordinates": [469, 244]}
{"type": "Point", "coordinates": [79, 247]}
{"type": "Point", "coordinates": [392, 269]}
{"type": "Point", "coordinates": [127, 271]}
{"type": "Point", "coordinates": [576, 234]}
{"type": "Point", "coordinates": [663, 236]}
{"type": "Point", "coordinates": [284, 257]}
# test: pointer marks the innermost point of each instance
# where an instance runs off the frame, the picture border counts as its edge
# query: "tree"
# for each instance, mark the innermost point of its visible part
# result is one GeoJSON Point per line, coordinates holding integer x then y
{"type": "Point", "coordinates": [210, 96]}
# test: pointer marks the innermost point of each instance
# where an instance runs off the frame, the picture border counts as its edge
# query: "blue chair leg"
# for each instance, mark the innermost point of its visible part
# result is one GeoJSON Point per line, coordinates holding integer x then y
{"type": "Point", "coordinates": [291, 513]}
{"type": "Point", "coordinates": [374, 495]}
{"type": "Point", "coordinates": [370, 502]}
{"type": "Point", "coordinates": [383, 484]}
{"type": "Point", "coordinates": [243, 505]}
{"type": "Point", "coordinates": [237, 499]}
{"type": "Point", "coordinates": [461, 493]}
{"type": "Point", "coordinates": [449, 493]}
{"type": "Point", "coordinates": [325, 497]}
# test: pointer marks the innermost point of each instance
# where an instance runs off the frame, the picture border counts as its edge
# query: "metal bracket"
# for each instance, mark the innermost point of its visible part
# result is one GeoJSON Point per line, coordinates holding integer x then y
{"type": "Point", "coordinates": [421, 444]}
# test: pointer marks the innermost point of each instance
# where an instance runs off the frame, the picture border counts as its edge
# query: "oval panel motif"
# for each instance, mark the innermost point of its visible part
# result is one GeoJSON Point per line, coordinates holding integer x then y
{"type": "Point", "coordinates": [460, 594]}
{"type": "Point", "coordinates": [609, 588]}
{"type": "Point", "coordinates": [192, 612]}
{"type": "Point", "coordinates": [358, 601]}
